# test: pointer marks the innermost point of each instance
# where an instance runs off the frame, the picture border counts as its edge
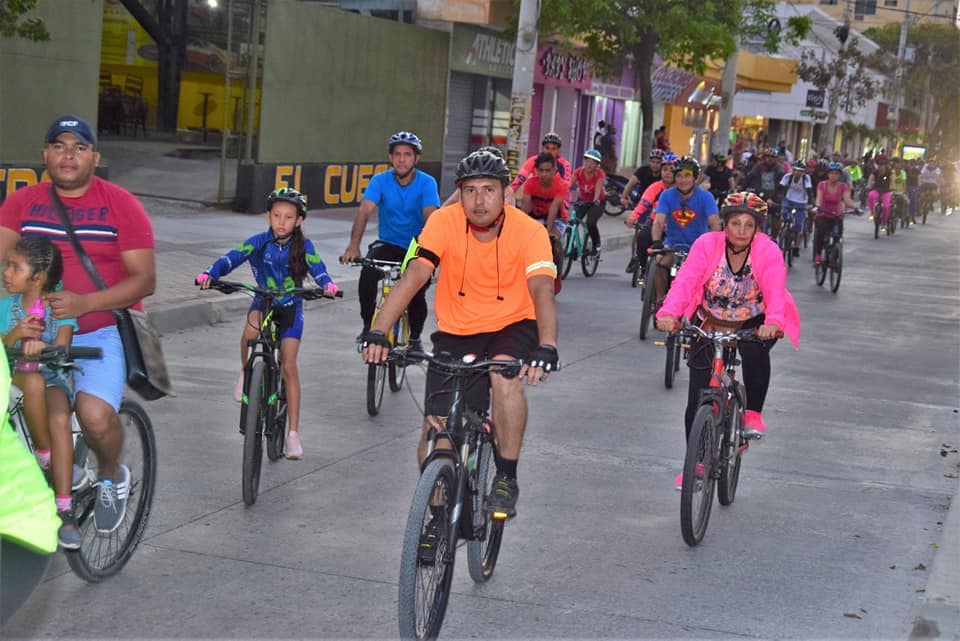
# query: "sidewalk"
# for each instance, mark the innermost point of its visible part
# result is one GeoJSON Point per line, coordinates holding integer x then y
{"type": "Point", "coordinates": [939, 615]}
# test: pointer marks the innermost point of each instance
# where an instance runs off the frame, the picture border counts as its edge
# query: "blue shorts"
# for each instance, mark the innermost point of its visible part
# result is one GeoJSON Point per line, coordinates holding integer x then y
{"type": "Point", "coordinates": [289, 318]}
{"type": "Point", "coordinates": [103, 377]}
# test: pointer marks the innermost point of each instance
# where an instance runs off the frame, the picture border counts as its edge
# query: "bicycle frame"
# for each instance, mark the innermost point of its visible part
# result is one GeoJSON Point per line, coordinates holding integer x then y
{"type": "Point", "coordinates": [265, 347]}
{"type": "Point", "coordinates": [575, 242]}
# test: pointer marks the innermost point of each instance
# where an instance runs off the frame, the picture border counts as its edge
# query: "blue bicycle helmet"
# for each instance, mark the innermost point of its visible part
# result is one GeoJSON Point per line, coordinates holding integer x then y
{"type": "Point", "coordinates": [834, 166]}
{"type": "Point", "coordinates": [592, 154]}
{"type": "Point", "coordinates": [668, 158]}
{"type": "Point", "coordinates": [405, 138]}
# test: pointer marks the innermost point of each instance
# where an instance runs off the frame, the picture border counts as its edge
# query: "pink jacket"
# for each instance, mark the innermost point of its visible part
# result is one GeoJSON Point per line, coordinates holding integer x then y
{"type": "Point", "coordinates": [686, 292]}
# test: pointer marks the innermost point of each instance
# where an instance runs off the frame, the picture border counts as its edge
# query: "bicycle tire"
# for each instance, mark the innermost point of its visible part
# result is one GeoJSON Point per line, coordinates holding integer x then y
{"type": "Point", "coordinates": [277, 419]}
{"type": "Point", "coordinates": [876, 224]}
{"type": "Point", "coordinates": [669, 371]}
{"type": "Point", "coordinates": [649, 293]}
{"type": "Point", "coordinates": [435, 579]}
{"type": "Point", "coordinates": [611, 204]}
{"type": "Point", "coordinates": [588, 259]}
{"type": "Point", "coordinates": [376, 377]}
{"type": "Point", "coordinates": [836, 267]}
{"type": "Point", "coordinates": [253, 434]}
{"type": "Point", "coordinates": [484, 550]}
{"type": "Point", "coordinates": [701, 448]}
{"type": "Point", "coordinates": [118, 546]}
{"type": "Point", "coordinates": [730, 462]}
{"type": "Point", "coordinates": [820, 270]}
{"type": "Point", "coordinates": [569, 250]}
{"type": "Point", "coordinates": [679, 353]}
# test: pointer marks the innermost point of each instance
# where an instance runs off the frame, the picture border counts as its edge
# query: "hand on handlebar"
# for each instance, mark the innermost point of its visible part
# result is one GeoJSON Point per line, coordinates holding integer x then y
{"type": "Point", "coordinates": [668, 324]}
{"type": "Point", "coordinates": [543, 360]}
{"type": "Point", "coordinates": [202, 280]}
{"type": "Point", "coordinates": [768, 331]}
{"type": "Point", "coordinates": [330, 289]}
{"type": "Point", "coordinates": [374, 346]}
{"type": "Point", "coordinates": [350, 254]}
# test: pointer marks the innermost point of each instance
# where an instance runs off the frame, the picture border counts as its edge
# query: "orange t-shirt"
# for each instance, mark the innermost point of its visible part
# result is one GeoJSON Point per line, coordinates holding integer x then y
{"type": "Point", "coordinates": [487, 270]}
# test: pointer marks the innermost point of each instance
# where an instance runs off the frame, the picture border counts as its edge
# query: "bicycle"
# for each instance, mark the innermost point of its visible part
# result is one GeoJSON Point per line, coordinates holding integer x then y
{"type": "Point", "coordinates": [678, 347]}
{"type": "Point", "coordinates": [650, 304]}
{"type": "Point", "coordinates": [263, 411]}
{"type": "Point", "coordinates": [449, 500]}
{"type": "Point", "coordinates": [928, 195]}
{"type": "Point", "coordinates": [716, 442]}
{"type": "Point", "coordinates": [888, 226]}
{"type": "Point", "coordinates": [640, 259]}
{"type": "Point", "coordinates": [831, 258]}
{"type": "Point", "coordinates": [399, 336]}
{"type": "Point", "coordinates": [100, 555]}
{"type": "Point", "coordinates": [787, 237]}
{"type": "Point", "coordinates": [577, 243]}
{"type": "Point", "coordinates": [900, 209]}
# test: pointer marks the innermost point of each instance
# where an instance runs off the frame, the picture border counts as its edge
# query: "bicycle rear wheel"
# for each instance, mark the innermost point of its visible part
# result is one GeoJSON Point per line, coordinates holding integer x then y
{"type": "Point", "coordinates": [102, 555]}
{"type": "Point", "coordinates": [277, 420]}
{"type": "Point", "coordinates": [730, 460]}
{"type": "Point", "coordinates": [836, 267]}
{"type": "Point", "coordinates": [424, 581]}
{"type": "Point", "coordinates": [569, 250]}
{"type": "Point", "coordinates": [589, 260]}
{"type": "Point", "coordinates": [649, 294]}
{"type": "Point", "coordinates": [376, 376]}
{"type": "Point", "coordinates": [672, 347]}
{"type": "Point", "coordinates": [484, 549]}
{"type": "Point", "coordinates": [611, 204]}
{"type": "Point", "coordinates": [253, 434]}
{"type": "Point", "coordinates": [699, 467]}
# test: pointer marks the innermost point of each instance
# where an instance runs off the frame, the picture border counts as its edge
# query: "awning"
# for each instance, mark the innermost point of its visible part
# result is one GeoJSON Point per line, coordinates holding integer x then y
{"type": "Point", "coordinates": [760, 73]}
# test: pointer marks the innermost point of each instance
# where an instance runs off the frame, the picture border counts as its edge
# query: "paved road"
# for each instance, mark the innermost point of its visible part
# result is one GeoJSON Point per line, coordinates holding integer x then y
{"type": "Point", "coordinates": [839, 510]}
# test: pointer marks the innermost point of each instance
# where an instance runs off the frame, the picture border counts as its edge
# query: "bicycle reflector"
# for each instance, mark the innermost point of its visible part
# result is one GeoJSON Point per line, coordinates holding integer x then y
{"type": "Point", "coordinates": [499, 516]}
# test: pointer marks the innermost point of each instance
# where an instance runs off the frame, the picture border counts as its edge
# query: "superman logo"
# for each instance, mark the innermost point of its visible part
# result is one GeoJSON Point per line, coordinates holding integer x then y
{"type": "Point", "coordinates": [683, 216]}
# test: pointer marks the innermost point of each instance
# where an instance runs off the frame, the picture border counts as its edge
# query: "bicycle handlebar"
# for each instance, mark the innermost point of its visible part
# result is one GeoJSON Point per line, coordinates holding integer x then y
{"type": "Point", "coordinates": [668, 250]}
{"type": "Point", "coordinates": [58, 355]}
{"type": "Point", "coordinates": [306, 293]}
{"type": "Point", "coordinates": [455, 367]}
{"type": "Point", "coordinates": [375, 263]}
{"type": "Point", "coordinates": [723, 337]}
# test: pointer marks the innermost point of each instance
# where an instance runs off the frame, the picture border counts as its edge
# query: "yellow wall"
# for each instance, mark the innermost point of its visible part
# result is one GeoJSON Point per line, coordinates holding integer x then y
{"type": "Point", "coordinates": [678, 133]}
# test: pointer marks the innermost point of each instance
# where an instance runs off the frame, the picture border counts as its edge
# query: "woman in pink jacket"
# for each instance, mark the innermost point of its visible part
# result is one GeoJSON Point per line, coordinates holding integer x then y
{"type": "Point", "coordinates": [734, 279]}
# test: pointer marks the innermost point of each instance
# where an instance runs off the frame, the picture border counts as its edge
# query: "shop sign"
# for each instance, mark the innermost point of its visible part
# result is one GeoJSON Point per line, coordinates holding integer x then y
{"type": "Point", "coordinates": [555, 67]}
{"type": "Point", "coordinates": [667, 83]}
{"type": "Point", "coordinates": [813, 113]}
{"type": "Point", "coordinates": [482, 52]}
{"type": "Point", "coordinates": [17, 177]}
{"type": "Point", "coordinates": [815, 98]}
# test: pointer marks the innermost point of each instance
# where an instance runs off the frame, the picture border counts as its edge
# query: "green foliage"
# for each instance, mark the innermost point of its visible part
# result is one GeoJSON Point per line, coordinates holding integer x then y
{"type": "Point", "coordinates": [844, 79]}
{"type": "Point", "coordinates": [13, 24]}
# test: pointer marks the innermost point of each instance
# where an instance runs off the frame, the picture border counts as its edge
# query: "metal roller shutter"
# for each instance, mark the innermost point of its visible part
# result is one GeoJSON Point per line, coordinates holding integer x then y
{"type": "Point", "coordinates": [459, 120]}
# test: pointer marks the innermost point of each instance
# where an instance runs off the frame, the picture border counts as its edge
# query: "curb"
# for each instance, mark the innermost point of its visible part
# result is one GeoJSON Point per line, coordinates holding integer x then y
{"type": "Point", "coordinates": [175, 317]}
{"type": "Point", "coordinates": [939, 613]}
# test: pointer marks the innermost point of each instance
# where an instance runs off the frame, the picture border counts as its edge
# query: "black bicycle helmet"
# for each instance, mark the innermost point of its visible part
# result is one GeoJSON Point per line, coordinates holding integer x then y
{"type": "Point", "coordinates": [687, 162]}
{"type": "Point", "coordinates": [496, 151]}
{"type": "Point", "coordinates": [553, 137]}
{"type": "Point", "coordinates": [483, 164]}
{"type": "Point", "coordinates": [288, 195]}
{"type": "Point", "coordinates": [405, 138]}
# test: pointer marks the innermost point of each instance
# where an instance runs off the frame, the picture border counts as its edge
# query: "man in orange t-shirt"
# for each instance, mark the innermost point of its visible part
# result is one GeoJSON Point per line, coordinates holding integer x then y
{"type": "Point", "coordinates": [494, 299]}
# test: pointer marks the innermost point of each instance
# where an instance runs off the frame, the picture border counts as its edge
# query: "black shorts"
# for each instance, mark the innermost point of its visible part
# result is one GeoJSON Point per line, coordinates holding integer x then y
{"type": "Point", "coordinates": [518, 340]}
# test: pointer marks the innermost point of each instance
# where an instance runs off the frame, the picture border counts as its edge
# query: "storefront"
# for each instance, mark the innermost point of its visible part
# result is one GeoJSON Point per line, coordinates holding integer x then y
{"type": "Point", "coordinates": [559, 83]}
{"type": "Point", "coordinates": [478, 95]}
{"type": "Point", "coordinates": [612, 101]}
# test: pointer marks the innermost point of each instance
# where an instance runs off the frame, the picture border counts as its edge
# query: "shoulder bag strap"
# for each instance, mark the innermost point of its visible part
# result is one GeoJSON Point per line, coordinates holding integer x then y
{"type": "Point", "coordinates": [75, 242]}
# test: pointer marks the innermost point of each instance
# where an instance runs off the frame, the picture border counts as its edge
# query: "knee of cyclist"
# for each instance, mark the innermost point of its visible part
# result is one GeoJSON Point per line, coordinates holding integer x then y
{"type": "Point", "coordinates": [95, 415]}
{"type": "Point", "coordinates": [289, 368]}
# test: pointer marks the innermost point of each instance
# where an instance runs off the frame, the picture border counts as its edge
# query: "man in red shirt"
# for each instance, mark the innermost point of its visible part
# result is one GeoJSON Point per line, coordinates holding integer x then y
{"type": "Point", "coordinates": [543, 198]}
{"type": "Point", "coordinates": [551, 145]}
{"type": "Point", "coordinates": [115, 231]}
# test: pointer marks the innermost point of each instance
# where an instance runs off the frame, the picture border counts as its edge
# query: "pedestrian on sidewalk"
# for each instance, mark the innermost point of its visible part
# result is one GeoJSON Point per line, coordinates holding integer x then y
{"type": "Point", "coordinates": [280, 256]}
{"type": "Point", "coordinates": [113, 228]}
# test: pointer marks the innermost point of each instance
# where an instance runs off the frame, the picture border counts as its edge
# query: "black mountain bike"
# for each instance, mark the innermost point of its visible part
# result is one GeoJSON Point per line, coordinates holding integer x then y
{"type": "Point", "coordinates": [716, 442]}
{"type": "Point", "coordinates": [449, 500]}
{"type": "Point", "coordinates": [831, 258]}
{"type": "Point", "coordinates": [650, 306]}
{"type": "Point", "coordinates": [101, 555]}
{"type": "Point", "coordinates": [263, 412]}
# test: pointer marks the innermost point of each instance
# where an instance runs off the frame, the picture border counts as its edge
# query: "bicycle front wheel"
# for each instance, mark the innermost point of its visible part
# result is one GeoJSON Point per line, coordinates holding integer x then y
{"type": "Point", "coordinates": [484, 549]}
{"type": "Point", "coordinates": [569, 250]}
{"type": "Point", "coordinates": [699, 467]}
{"type": "Point", "coordinates": [670, 370]}
{"type": "Point", "coordinates": [835, 260]}
{"type": "Point", "coordinates": [398, 373]}
{"type": "Point", "coordinates": [376, 376]}
{"type": "Point", "coordinates": [649, 294]}
{"type": "Point", "coordinates": [590, 258]}
{"type": "Point", "coordinates": [102, 555]}
{"type": "Point", "coordinates": [730, 461]}
{"type": "Point", "coordinates": [277, 419]}
{"type": "Point", "coordinates": [253, 434]}
{"type": "Point", "coordinates": [820, 270]}
{"type": "Point", "coordinates": [426, 561]}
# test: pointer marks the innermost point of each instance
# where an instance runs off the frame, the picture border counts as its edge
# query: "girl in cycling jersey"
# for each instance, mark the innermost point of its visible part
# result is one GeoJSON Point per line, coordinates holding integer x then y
{"type": "Point", "coordinates": [280, 257]}
{"type": "Point", "coordinates": [731, 280]}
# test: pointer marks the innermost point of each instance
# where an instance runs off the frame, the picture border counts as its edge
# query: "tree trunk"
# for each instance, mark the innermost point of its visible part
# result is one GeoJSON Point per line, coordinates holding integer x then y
{"type": "Point", "coordinates": [643, 55]}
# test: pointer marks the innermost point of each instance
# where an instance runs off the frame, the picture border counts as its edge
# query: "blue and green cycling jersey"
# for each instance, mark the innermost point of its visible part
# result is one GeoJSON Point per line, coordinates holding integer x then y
{"type": "Point", "coordinates": [270, 262]}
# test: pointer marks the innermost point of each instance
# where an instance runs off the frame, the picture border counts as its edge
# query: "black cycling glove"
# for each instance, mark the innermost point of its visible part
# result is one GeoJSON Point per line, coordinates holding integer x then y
{"type": "Point", "coordinates": [545, 357]}
{"type": "Point", "coordinates": [374, 337]}
{"type": "Point", "coordinates": [657, 244]}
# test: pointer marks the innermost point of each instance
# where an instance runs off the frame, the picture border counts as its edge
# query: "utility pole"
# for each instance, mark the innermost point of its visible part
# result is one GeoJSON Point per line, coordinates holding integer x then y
{"type": "Point", "coordinates": [225, 130]}
{"type": "Point", "coordinates": [252, 79]}
{"type": "Point", "coordinates": [898, 78]}
{"type": "Point", "coordinates": [522, 91]}
{"type": "Point", "coordinates": [728, 89]}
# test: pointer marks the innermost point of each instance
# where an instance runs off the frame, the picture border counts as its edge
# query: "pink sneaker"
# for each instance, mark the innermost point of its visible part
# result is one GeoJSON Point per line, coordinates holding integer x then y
{"type": "Point", "coordinates": [678, 482]}
{"type": "Point", "coordinates": [292, 449]}
{"type": "Point", "coordinates": [753, 426]}
{"type": "Point", "coordinates": [238, 389]}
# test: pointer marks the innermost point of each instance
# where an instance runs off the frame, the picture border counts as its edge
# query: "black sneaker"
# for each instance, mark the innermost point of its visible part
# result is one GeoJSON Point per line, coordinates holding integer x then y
{"type": "Point", "coordinates": [796, 252]}
{"type": "Point", "coordinates": [631, 266]}
{"type": "Point", "coordinates": [504, 496]}
{"type": "Point", "coordinates": [432, 538]}
{"type": "Point", "coordinates": [68, 536]}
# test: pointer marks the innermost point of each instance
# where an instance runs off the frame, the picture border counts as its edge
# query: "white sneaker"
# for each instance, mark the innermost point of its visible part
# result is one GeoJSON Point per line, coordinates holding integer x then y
{"type": "Point", "coordinates": [238, 389]}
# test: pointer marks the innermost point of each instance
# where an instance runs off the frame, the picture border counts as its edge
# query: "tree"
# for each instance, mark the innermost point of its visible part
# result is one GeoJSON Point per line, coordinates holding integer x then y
{"type": "Point", "coordinates": [934, 71]}
{"type": "Point", "coordinates": [844, 79]}
{"type": "Point", "coordinates": [167, 25]}
{"type": "Point", "coordinates": [12, 23]}
{"type": "Point", "coordinates": [686, 34]}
